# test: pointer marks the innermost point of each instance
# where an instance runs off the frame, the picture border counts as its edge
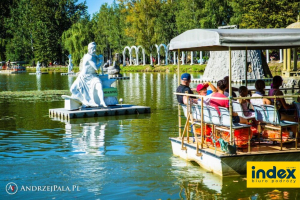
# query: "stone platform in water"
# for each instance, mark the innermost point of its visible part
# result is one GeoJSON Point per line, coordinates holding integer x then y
{"type": "Point", "coordinates": [38, 73]}
{"type": "Point", "coordinates": [101, 119]}
{"type": "Point", "coordinates": [69, 74]}
{"type": "Point", "coordinates": [117, 77]}
{"type": "Point", "coordinates": [119, 109]}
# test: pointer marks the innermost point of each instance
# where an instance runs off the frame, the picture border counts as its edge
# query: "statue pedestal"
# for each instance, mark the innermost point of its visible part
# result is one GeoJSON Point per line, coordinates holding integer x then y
{"type": "Point", "coordinates": [71, 104]}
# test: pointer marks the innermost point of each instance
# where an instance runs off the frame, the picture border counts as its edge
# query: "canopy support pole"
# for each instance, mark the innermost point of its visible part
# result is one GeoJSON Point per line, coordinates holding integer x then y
{"type": "Point", "coordinates": [246, 67]}
{"type": "Point", "coordinates": [178, 78]}
{"type": "Point", "coordinates": [295, 59]}
{"type": "Point", "coordinates": [230, 97]}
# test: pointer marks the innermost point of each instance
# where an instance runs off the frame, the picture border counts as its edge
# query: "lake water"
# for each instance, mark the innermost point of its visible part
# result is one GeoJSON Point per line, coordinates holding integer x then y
{"type": "Point", "coordinates": [119, 157]}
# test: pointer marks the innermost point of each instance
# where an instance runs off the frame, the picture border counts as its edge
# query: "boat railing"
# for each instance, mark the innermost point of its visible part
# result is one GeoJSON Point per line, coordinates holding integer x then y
{"type": "Point", "coordinates": [190, 119]}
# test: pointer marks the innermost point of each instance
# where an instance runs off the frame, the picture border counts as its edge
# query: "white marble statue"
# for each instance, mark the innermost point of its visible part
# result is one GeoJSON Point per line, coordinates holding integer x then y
{"type": "Point", "coordinates": [87, 88]}
{"type": "Point", "coordinates": [38, 67]}
{"type": "Point", "coordinates": [70, 66]}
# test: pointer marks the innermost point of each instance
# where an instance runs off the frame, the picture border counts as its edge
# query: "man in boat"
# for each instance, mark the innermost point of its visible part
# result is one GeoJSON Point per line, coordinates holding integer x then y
{"type": "Point", "coordinates": [185, 87]}
{"type": "Point", "coordinates": [87, 88]}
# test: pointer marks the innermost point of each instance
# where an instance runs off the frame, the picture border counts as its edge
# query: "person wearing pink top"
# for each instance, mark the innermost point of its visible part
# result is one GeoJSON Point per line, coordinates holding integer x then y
{"type": "Point", "coordinates": [219, 102]}
{"type": "Point", "coordinates": [221, 86]}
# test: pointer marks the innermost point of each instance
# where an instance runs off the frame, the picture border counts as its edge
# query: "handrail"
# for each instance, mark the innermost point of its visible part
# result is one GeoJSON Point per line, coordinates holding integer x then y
{"type": "Point", "coordinates": [235, 98]}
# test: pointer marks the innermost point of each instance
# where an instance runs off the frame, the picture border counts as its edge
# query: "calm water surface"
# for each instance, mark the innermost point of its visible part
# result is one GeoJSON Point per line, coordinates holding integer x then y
{"type": "Point", "coordinates": [121, 157]}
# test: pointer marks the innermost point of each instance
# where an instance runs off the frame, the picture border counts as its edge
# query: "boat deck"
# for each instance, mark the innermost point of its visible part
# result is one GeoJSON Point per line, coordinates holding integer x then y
{"type": "Point", "coordinates": [255, 149]}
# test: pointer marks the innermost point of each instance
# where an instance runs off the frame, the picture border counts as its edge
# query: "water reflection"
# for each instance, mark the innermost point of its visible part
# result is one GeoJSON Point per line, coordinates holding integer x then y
{"type": "Point", "coordinates": [38, 81]}
{"type": "Point", "coordinates": [196, 183]}
{"type": "Point", "coordinates": [91, 141]}
{"type": "Point", "coordinates": [70, 81]}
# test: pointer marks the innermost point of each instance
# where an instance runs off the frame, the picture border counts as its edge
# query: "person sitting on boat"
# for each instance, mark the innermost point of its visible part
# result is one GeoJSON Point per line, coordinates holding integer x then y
{"type": "Point", "coordinates": [297, 99]}
{"type": "Point", "coordinates": [245, 103]}
{"type": "Point", "coordinates": [260, 91]}
{"type": "Point", "coordinates": [226, 93]}
{"type": "Point", "coordinates": [221, 86]}
{"type": "Point", "coordinates": [8, 64]}
{"type": "Point", "coordinates": [202, 90]}
{"type": "Point", "coordinates": [185, 87]}
{"type": "Point", "coordinates": [285, 110]}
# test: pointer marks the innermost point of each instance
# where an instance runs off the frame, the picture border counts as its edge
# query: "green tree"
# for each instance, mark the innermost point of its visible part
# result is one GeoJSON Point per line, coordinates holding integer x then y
{"type": "Point", "coordinates": [36, 27]}
{"type": "Point", "coordinates": [19, 26]}
{"type": "Point", "coordinates": [188, 16]}
{"type": "Point", "coordinates": [76, 39]}
{"type": "Point", "coordinates": [265, 13]}
{"type": "Point", "coordinates": [141, 19]}
{"type": "Point", "coordinates": [53, 17]}
{"type": "Point", "coordinates": [166, 21]}
{"type": "Point", "coordinates": [5, 14]}
{"type": "Point", "coordinates": [215, 13]}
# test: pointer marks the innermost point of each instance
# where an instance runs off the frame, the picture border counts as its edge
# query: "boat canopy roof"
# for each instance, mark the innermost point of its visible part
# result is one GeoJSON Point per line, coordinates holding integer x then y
{"type": "Point", "coordinates": [237, 39]}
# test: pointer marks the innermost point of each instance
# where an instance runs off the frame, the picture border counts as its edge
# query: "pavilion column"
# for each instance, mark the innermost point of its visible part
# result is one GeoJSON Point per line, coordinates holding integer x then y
{"type": "Point", "coordinates": [280, 55]}
{"type": "Point", "coordinates": [151, 61]}
{"type": "Point", "coordinates": [288, 60]}
{"type": "Point", "coordinates": [182, 57]}
{"type": "Point", "coordinates": [201, 61]}
{"type": "Point", "coordinates": [130, 59]}
{"type": "Point", "coordinates": [192, 57]}
{"type": "Point", "coordinates": [295, 59]}
{"type": "Point", "coordinates": [158, 59]}
{"type": "Point", "coordinates": [267, 55]}
{"type": "Point", "coordinates": [174, 57]}
{"type": "Point", "coordinates": [166, 59]}
{"type": "Point", "coordinates": [124, 59]}
{"type": "Point", "coordinates": [284, 59]}
{"type": "Point", "coordinates": [144, 59]}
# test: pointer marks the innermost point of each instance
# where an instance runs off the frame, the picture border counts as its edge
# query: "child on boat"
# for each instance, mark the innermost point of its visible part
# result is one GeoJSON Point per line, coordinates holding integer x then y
{"type": "Point", "coordinates": [203, 91]}
{"type": "Point", "coordinates": [260, 92]}
{"type": "Point", "coordinates": [245, 103]}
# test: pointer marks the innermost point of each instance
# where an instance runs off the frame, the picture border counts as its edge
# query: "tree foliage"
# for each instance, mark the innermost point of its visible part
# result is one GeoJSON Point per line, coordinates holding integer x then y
{"type": "Point", "coordinates": [47, 30]}
{"type": "Point", "coordinates": [265, 13]}
{"type": "Point", "coordinates": [35, 28]}
{"type": "Point", "coordinates": [76, 39]}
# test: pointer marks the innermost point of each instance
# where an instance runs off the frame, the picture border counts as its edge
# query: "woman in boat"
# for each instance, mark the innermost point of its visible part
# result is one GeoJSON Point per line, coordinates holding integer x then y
{"type": "Point", "coordinates": [221, 86]}
{"type": "Point", "coordinates": [285, 110]}
{"type": "Point", "coordinates": [260, 91]}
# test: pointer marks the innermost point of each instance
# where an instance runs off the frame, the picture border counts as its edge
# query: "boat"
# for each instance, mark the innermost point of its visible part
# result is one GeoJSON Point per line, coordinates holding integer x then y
{"type": "Point", "coordinates": [15, 68]}
{"type": "Point", "coordinates": [230, 156]}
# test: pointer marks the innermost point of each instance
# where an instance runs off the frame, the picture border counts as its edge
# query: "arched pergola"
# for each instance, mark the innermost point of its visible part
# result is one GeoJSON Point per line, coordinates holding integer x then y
{"type": "Point", "coordinates": [166, 53]}
{"type": "Point", "coordinates": [137, 55]}
{"type": "Point", "coordinates": [124, 59]}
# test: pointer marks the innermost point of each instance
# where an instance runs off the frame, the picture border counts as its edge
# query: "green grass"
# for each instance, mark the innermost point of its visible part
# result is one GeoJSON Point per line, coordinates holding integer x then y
{"type": "Point", "coordinates": [274, 67]}
{"type": "Point", "coordinates": [45, 95]}
{"type": "Point", "coordinates": [52, 69]}
{"type": "Point", "coordinates": [165, 68]}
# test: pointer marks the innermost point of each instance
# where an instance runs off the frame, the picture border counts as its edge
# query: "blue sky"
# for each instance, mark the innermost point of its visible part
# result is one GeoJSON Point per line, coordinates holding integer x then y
{"type": "Point", "coordinates": [94, 5]}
